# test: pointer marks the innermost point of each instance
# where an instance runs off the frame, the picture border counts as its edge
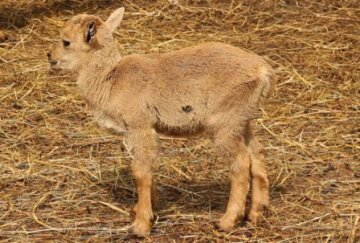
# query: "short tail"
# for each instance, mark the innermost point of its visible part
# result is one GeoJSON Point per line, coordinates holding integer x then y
{"type": "Point", "coordinates": [267, 78]}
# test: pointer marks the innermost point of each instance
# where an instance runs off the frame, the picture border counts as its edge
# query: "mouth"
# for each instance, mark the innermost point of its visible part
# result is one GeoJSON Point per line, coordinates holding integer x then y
{"type": "Point", "coordinates": [55, 69]}
{"type": "Point", "coordinates": [54, 65]}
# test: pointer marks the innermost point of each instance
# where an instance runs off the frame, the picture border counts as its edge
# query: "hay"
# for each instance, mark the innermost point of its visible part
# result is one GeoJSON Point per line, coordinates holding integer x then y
{"type": "Point", "coordinates": [63, 179]}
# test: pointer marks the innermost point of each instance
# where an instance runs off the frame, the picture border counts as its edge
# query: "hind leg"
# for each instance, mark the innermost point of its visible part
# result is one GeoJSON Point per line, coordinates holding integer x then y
{"type": "Point", "coordinates": [259, 181]}
{"type": "Point", "coordinates": [234, 150]}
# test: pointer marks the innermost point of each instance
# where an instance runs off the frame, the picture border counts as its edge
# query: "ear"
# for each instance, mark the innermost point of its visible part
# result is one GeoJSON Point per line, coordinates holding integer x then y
{"type": "Point", "coordinates": [115, 18]}
{"type": "Point", "coordinates": [90, 31]}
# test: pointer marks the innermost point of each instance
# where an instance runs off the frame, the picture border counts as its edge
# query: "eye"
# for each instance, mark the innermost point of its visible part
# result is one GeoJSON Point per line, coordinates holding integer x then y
{"type": "Point", "coordinates": [66, 43]}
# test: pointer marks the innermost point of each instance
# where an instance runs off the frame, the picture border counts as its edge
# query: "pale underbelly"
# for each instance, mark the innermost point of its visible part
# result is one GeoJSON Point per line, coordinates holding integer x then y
{"type": "Point", "coordinates": [108, 123]}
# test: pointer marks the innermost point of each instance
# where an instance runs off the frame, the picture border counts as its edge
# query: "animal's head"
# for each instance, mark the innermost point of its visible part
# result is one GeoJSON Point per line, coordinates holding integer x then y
{"type": "Point", "coordinates": [82, 35]}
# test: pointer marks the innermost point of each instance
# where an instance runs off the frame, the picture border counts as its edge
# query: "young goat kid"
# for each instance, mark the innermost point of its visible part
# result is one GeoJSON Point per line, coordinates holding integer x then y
{"type": "Point", "coordinates": [211, 88]}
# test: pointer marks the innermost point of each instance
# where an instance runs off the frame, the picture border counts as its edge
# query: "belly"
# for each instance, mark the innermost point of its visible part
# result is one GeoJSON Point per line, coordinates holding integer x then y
{"type": "Point", "coordinates": [108, 123]}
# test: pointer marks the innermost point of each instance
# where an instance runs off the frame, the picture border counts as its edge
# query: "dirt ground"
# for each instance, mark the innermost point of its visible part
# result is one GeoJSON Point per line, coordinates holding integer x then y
{"type": "Point", "coordinates": [63, 179]}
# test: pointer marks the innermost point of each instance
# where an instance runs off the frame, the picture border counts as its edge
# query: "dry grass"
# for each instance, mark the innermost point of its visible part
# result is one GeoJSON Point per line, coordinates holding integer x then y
{"type": "Point", "coordinates": [62, 179]}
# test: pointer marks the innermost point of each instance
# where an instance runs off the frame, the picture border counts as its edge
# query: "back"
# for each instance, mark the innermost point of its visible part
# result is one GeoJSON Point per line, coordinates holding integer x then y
{"type": "Point", "coordinates": [194, 83]}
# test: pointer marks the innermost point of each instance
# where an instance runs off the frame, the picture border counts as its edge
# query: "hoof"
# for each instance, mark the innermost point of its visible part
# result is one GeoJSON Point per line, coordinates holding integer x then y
{"type": "Point", "coordinates": [253, 217]}
{"type": "Point", "coordinates": [225, 225]}
{"type": "Point", "coordinates": [255, 213]}
{"type": "Point", "coordinates": [140, 228]}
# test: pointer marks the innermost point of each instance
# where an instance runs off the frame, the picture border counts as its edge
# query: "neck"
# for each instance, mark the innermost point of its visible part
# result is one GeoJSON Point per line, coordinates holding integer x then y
{"type": "Point", "coordinates": [92, 75]}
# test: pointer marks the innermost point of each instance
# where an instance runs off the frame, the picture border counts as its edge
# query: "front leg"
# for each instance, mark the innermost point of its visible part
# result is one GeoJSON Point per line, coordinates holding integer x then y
{"type": "Point", "coordinates": [145, 147]}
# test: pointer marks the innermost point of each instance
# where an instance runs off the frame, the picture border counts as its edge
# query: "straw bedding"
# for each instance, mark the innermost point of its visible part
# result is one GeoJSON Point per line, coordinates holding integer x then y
{"type": "Point", "coordinates": [63, 179]}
